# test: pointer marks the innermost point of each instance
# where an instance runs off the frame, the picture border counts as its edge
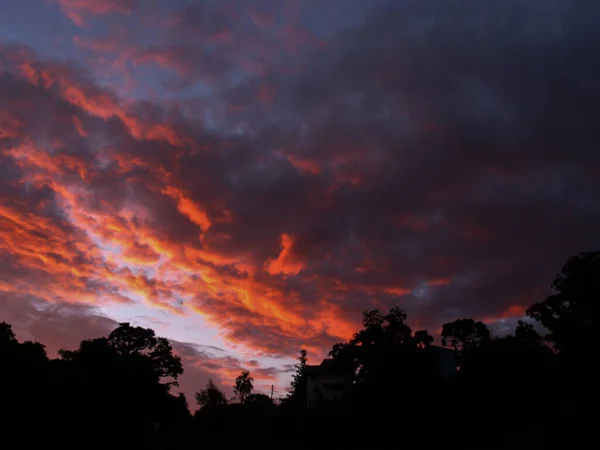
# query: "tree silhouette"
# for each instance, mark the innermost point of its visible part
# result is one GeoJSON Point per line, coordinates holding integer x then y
{"type": "Point", "coordinates": [381, 360]}
{"type": "Point", "coordinates": [24, 382]}
{"type": "Point", "coordinates": [131, 341]}
{"type": "Point", "coordinates": [298, 377]}
{"type": "Point", "coordinates": [7, 337]}
{"type": "Point", "coordinates": [423, 339]}
{"type": "Point", "coordinates": [463, 334]}
{"type": "Point", "coordinates": [297, 395]}
{"type": "Point", "coordinates": [211, 396]}
{"type": "Point", "coordinates": [117, 384]}
{"type": "Point", "coordinates": [128, 340]}
{"type": "Point", "coordinates": [526, 335]}
{"type": "Point", "coordinates": [571, 314]}
{"type": "Point", "coordinates": [571, 317]}
{"type": "Point", "coordinates": [243, 385]}
{"type": "Point", "coordinates": [259, 400]}
{"type": "Point", "coordinates": [345, 357]}
{"type": "Point", "coordinates": [380, 344]}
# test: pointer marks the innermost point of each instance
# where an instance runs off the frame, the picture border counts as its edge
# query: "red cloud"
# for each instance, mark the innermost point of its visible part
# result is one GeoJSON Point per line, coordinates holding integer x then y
{"type": "Point", "coordinates": [9, 126]}
{"type": "Point", "coordinates": [305, 165]}
{"type": "Point", "coordinates": [79, 126]}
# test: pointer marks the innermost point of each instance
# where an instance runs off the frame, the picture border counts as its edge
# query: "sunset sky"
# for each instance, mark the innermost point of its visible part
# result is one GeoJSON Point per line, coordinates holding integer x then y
{"type": "Point", "coordinates": [247, 176]}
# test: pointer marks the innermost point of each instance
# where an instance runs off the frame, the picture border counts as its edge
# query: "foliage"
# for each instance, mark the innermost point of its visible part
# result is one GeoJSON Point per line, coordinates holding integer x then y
{"type": "Point", "coordinates": [571, 313]}
{"type": "Point", "coordinates": [135, 341]}
{"type": "Point", "coordinates": [298, 377]}
{"type": "Point", "coordinates": [463, 334]}
{"type": "Point", "coordinates": [211, 396]}
{"type": "Point", "coordinates": [423, 339]}
{"type": "Point", "coordinates": [7, 337]}
{"type": "Point", "coordinates": [243, 386]}
{"type": "Point", "coordinates": [297, 394]}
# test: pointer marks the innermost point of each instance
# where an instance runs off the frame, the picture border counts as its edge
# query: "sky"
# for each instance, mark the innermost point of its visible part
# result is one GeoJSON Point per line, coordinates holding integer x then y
{"type": "Point", "coordinates": [247, 176]}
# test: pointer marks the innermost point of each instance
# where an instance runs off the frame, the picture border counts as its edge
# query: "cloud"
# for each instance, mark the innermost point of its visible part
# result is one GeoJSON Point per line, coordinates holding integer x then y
{"type": "Point", "coordinates": [80, 10]}
{"type": "Point", "coordinates": [188, 208]}
{"type": "Point", "coordinates": [282, 179]}
{"type": "Point", "coordinates": [286, 262]}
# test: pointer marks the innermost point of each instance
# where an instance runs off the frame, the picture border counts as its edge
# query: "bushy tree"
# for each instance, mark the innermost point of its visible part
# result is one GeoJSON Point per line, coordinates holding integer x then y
{"type": "Point", "coordinates": [210, 396]}
{"type": "Point", "coordinates": [463, 334]}
{"type": "Point", "coordinates": [423, 339]}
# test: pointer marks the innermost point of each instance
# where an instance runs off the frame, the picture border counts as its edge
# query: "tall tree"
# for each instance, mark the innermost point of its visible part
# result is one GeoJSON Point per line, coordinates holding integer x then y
{"type": "Point", "coordinates": [571, 316]}
{"type": "Point", "coordinates": [297, 395]}
{"type": "Point", "coordinates": [571, 313]}
{"type": "Point", "coordinates": [298, 377]}
{"type": "Point", "coordinates": [243, 385]}
{"type": "Point", "coordinates": [463, 334]}
{"type": "Point", "coordinates": [210, 396]}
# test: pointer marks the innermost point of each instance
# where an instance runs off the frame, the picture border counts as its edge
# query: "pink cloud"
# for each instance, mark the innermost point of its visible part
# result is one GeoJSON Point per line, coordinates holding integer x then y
{"type": "Point", "coordinates": [80, 10]}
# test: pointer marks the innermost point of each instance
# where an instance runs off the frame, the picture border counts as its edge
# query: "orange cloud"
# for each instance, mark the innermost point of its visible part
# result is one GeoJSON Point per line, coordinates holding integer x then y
{"type": "Point", "coordinates": [110, 249]}
{"type": "Point", "coordinates": [189, 208]}
{"type": "Point", "coordinates": [27, 155]}
{"type": "Point", "coordinates": [61, 261]}
{"type": "Point", "coordinates": [286, 263]}
{"type": "Point", "coordinates": [399, 291]}
{"type": "Point", "coordinates": [72, 253]}
{"type": "Point", "coordinates": [140, 254]}
{"type": "Point", "coordinates": [99, 103]}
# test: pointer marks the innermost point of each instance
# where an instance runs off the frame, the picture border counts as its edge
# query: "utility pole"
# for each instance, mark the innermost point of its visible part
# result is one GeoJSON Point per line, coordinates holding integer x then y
{"type": "Point", "coordinates": [271, 392]}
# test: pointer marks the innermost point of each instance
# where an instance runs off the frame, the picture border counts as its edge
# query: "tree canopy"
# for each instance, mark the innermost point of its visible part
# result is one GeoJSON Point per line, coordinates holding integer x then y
{"type": "Point", "coordinates": [463, 334]}
{"type": "Point", "coordinates": [211, 396]}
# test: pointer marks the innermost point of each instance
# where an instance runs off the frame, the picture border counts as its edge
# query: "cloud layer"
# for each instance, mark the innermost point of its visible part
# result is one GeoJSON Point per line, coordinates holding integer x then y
{"type": "Point", "coordinates": [278, 167]}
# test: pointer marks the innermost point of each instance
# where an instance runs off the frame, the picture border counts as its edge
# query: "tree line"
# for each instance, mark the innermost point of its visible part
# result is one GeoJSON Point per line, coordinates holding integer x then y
{"type": "Point", "coordinates": [527, 389]}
